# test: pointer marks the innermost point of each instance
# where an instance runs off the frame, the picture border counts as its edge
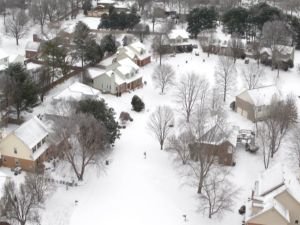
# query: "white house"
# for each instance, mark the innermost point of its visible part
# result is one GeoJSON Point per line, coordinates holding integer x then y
{"type": "Point", "coordinates": [178, 36]}
{"type": "Point", "coordinates": [122, 76]}
{"type": "Point", "coordinates": [136, 51]}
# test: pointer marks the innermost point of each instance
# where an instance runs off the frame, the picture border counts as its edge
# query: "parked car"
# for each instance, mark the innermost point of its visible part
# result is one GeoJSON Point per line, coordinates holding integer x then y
{"type": "Point", "coordinates": [242, 210]}
{"type": "Point", "coordinates": [17, 170]}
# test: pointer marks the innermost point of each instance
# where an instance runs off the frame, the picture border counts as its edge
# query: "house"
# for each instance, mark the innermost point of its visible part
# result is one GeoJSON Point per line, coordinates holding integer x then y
{"type": "Point", "coordinates": [16, 59]}
{"type": "Point", "coordinates": [32, 49]}
{"type": "Point", "coordinates": [275, 198]}
{"type": "Point", "coordinates": [27, 146]}
{"type": "Point", "coordinates": [284, 56]}
{"type": "Point", "coordinates": [217, 143]}
{"type": "Point", "coordinates": [178, 36]}
{"type": "Point", "coordinates": [77, 91]}
{"type": "Point", "coordinates": [136, 51]}
{"type": "Point", "coordinates": [4, 61]}
{"type": "Point", "coordinates": [176, 41]}
{"type": "Point", "coordinates": [254, 104]}
{"type": "Point", "coordinates": [34, 70]}
{"type": "Point", "coordinates": [120, 77]}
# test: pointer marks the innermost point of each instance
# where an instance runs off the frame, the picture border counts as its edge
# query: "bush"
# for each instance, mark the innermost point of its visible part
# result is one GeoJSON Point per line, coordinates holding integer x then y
{"type": "Point", "coordinates": [137, 103]}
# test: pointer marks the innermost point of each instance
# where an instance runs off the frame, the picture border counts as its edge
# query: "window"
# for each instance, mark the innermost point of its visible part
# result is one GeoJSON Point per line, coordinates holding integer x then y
{"type": "Point", "coordinates": [39, 145]}
{"type": "Point", "coordinates": [4, 159]}
{"type": "Point", "coordinates": [34, 149]}
{"type": "Point", "coordinates": [259, 109]}
{"type": "Point", "coordinates": [15, 151]}
{"type": "Point", "coordinates": [44, 140]}
{"type": "Point", "coordinates": [17, 162]}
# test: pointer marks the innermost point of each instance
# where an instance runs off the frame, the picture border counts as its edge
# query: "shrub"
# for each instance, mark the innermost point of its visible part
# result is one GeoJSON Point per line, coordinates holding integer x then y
{"type": "Point", "coordinates": [137, 103]}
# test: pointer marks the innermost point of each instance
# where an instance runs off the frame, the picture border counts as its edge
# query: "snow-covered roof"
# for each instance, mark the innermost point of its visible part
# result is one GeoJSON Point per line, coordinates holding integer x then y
{"type": "Point", "coordinates": [76, 91]}
{"type": "Point", "coordinates": [270, 184]}
{"type": "Point", "coordinates": [107, 62]}
{"type": "Point", "coordinates": [33, 66]}
{"type": "Point", "coordinates": [3, 54]}
{"type": "Point", "coordinates": [129, 63]}
{"type": "Point", "coordinates": [262, 95]}
{"type": "Point", "coordinates": [138, 47]}
{"type": "Point", "coordinates": [175, 33]}
{"type": "Point", "coordinates": [269, 180]}
{"type": "Point", "coordinates": [16, 59]}
{"type": "Point", "coordinates": [106, 2]}
{"type": "Point", "coordinates": [31, 132]}
{"type": "Point", "coordinates": [94, 72]}
{"type": "Point", "coordinates": [32, 46]}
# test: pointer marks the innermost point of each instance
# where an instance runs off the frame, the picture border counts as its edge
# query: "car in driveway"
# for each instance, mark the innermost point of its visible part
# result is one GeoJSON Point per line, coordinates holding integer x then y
{"type": "Point", "coordinates": [17, 170]}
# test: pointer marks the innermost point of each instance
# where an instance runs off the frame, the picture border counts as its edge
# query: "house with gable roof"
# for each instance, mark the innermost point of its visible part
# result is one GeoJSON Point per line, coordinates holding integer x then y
{"type": "Point", "coordinates": [121, 76]}
{"type": "Point", "coordinates": [216, 142]}
{"type": "Point", "coordinates": [136, 51]}
{"type": "Point", "coordinates": [254, 104]}
{"type": "Point", "coordinates": [275, 198]}
{"type": "Point", "coordinates": [27, 146]}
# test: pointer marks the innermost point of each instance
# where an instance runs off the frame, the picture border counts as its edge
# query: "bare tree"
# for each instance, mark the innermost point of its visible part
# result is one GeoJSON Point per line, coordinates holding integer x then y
{"type": "Point", "coordinates": [83, 141]}
{"type": "Point", "coordinates": [225, 75]}
{"type": "Point", "coordinates": [180, 146]}
{"type": "Point", "coordinates": [282, 115]}
{"type": "Point", "coordinates": [290, 6]}
{"type": "Point", "coordinates": [164, 76]}
{"type": "Point", "coordinates": [161, 123]}
{"type": "Point", "coordinates": [276, 36]}
{"type": "Point", "coordinates": [295, 150]}
{"type": "Point", "coordinates": [39, 11]}
{"type": "Point", "coordinates": [252, 75]}
{"type": "Point", "coordinates": [264, 139]}
{"type": "Point", "coordinates": [17, 25]}
{"type": "Point", "coordinates": [236, 48]}
{"type": "Point", "coordinates": [203, 152]}
{"type": "Point", "coordinates": [190, 90]}
{"type": "Point", "coordinates": [219, 194]}
{"type": "Point", "coordinates": [159, 46]}
{"type": "Point", "coordinates": [21, 204]}
{"type": "Point", "coordinates": [3, 8]}
{"type": "Point", "coordinates": [40, 185]}
{"type": "Point", "coordinates": [207, 39]}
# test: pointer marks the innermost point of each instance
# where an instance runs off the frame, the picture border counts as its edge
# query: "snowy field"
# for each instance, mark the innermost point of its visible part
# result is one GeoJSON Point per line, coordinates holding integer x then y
{"type": "Point", "coordinates": [134, 190]}
{"type": "Point", "coordinates": [137, 191]}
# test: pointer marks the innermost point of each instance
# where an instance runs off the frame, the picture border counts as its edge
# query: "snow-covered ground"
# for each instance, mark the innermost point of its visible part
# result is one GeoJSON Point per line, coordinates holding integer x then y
{"type": "Point", "coordinates": [137, 191]}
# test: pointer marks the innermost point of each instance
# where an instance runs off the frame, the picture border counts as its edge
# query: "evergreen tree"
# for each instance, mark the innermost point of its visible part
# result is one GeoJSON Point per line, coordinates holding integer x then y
{"type": "Point", "coordinates": [103, 114]}
{"type": "Point", "coordinates": [108, 44]}
{"type": "Point", "coordinates": [81, 39]}
{"type": "Point", "coordinates": [20, 90]}
{"type": "Point", "coordinates": [93, 53]}
{"type": "Point", "coordinates": [137, 103]}
{"type": "Point", "coordinates": [201, 19]}
{"type": "Point", "coordinates": [236, 20]}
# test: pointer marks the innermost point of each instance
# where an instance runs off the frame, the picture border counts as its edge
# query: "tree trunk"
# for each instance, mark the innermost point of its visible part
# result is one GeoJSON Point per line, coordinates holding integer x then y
{"type": "Point", "coordinates": [161, 145]}
{"type": "Point", "coordinates": [200, 185]}
{"type": "Point", "coordinates": [17, 41]}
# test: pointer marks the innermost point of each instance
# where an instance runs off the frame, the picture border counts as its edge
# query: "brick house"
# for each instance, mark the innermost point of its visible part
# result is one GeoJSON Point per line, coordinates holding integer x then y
{"type": "Point", "coordinates": [27, 146]}
{"type": "Point", "coordinates": [275, 198]}
{"type": "Point", "coordinates": [254, 104]}
{"type": "Point", "coordinates": [216, 143]}
{"type": "Point", "coordinates": [32, 49]}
